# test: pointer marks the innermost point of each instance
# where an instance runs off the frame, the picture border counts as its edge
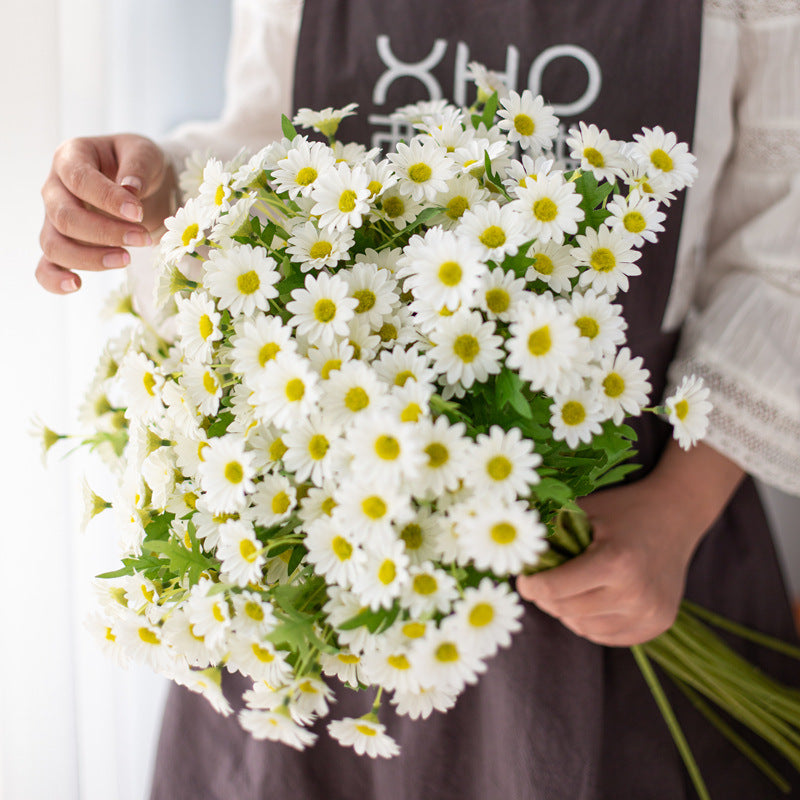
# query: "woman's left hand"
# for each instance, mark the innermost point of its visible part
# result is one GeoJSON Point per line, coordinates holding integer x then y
{"type": "Point", "coordinates": [627, 587]}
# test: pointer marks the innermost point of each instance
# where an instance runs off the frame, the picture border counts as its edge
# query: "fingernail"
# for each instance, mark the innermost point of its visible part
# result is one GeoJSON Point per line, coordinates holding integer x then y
{"type": "Point", "coordinates": [114, 260]}
{"type": "Point", "coordinates": [136, 239]}
{"type": "Point", "coordinates": [69, 285]}
{"type": "Point", "coordinates": [131, 182]}
{"type": "Point", "coordinates": [132, 212]}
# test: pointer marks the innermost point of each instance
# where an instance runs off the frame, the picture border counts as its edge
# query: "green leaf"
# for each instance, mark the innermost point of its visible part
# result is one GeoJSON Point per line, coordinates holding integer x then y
{"type": "Point", "coordinates": [158, 528]}
{"type": "Point", "coordinates": [297, 556]}
{"type": "Point", "coordinates": [489, 111]}
{"type": "Point", "coordinates": [286, 126]}
{"type": "Point", "coordinates": [554, 489]}
{"type": "Point", "coordinates": [372, 620]}
{"type": "Point", "coordinates": [616, 474]}
{"type": "Point", "coordinates": [220, 425]}
{"type": "Point", "coordinates": [181, 559]}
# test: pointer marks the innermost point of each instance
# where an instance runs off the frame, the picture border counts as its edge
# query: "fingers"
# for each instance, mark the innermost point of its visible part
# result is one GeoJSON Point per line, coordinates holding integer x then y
{"type": "Point", "coordinates": [576, 576]}
{"type": "Point", "coordinates": [56, 279]}
{"type": "Point", "coordinates": [141, 164]}
{"type": "Point", "coordinates": [66, 252]}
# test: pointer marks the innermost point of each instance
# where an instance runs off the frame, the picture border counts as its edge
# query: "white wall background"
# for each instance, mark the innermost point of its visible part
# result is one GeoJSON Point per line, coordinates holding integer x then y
{"type": "Point", "coordinates": [72, 725]}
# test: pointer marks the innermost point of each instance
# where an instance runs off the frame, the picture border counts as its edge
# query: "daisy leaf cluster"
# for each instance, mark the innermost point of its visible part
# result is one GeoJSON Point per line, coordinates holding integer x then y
{"type": "Point", "coordinates": [375, 383]}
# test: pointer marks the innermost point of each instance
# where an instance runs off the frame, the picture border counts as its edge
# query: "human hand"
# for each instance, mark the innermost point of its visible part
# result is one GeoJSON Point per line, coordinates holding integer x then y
{"type": "Point", "coordinates": [627, 587]}
{"type": "Point", "coordinates": [103, 193]}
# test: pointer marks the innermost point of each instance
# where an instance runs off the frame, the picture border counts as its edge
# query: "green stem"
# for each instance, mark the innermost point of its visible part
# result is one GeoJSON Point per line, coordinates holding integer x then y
{"type": "Point", "coordinates": [672, 722]}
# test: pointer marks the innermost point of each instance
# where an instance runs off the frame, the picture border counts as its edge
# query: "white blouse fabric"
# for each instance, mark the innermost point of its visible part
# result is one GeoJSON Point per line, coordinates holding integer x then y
{"type": "Point", "coordinates": [737, 282]}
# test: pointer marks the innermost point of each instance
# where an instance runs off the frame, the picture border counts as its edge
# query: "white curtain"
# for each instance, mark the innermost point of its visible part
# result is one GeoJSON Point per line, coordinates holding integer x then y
{"type": "Point", "coordinates": [72, 725]}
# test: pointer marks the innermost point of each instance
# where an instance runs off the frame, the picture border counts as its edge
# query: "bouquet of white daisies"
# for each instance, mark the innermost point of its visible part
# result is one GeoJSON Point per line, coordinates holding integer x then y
{"type": "Point", "coordinates": [377, 386]}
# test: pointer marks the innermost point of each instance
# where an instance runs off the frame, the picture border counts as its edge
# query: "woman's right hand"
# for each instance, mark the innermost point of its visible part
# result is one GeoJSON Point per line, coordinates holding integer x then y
{"type": "Point", "coordinates": [103, 194]}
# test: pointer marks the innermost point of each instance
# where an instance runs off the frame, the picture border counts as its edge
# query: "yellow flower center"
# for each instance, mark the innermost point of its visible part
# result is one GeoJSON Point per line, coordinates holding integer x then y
{"type": "Point", "coordinates": [681, 409]}
{"type": "Point", "coordinates": [412, 536]}
{"type": "Point", "coordinates": [348, 658]}
{"type": "Point", "coordinates": [329, 366]}
{"type": "Point", "coordinates": [411, 413]}
{"type": "Point", "coordinates": [661, 160]}
{"type": "Point", "coordinates": [499, 468]}
{"type": "Point", "coordinates": [481, 614]}
{"type": "Point", "coordinates": [394, 206]}
{"type": "Point", "coordinates": [503, 533]}
{"type": "Point", "coordinates": [148, 636]}
{"type": "Point", "coordinates": [328, 504]}
{"type": "Point", "coordinates": [356, 399]}
{"type": "Point", "coordinates": [419, 173]}
{"type": "Point", "coordinates": [594, 157]}
{"type": "Point", "coordinates": [414, 630]}
{"type": "Point", "coordinates": [216, 612]}
{"type": "Point", "coordinates": [366, 730]}
{"type": "Point", "coordinates": [189, 233]}
{"type": "Point", "coordinates": [248, 282]}
{"type": "Point", "coordinates": [497, 300]}
{"type": "Point", "coordinates": [543, 264]}
{"type": "Point", "coordinates": [206, 326]}
{"type": "Point", "coordinates": [247, 550]}
{"type": "Point", "coordinates": [437, 454]}
{"type": "Point", "coordinates": [254, 610]}
{"type": "Point", "coordinates": [267, 352]}
{"type": "Point", "coordinates": [613, 384]}
{"type": "Point", "coordinates": [603, 260]}
{"type": "Point", "coordinates": [366, 300]}
{"type": "Point", "coordinates": [200, 447]}
{"type": "Point", "coordinates": [295, 389]}
{"type": "Point", "coordinates": [540, 342]}
{"type": "Point", "coordinates": [588, 327]}
{"type": "Point", "coordinates": [219, 195]}
{"type": "Point", "coordinates": [234, 472]}
{"type": "Point", "coordinates": [545, 210]}
{"type": "Point", "coordinates": [425, 584]}
{"type": "Point", "coordinates": [450, 273]}
{"type": "Point", "coordinates": [280, 503]}
{"type": "Point", "coordinates": [374, 507]}
{"type": "Point", "coordinates": [387, 448]}
{"type": "Point", "coordinates": [398, 662]}
{"type": "Point", "coordinates": [342, 549]}
{"type": "Point", "coordinates": [347, 201]}
{"type": "Point", "coordinates": [387, 572]}
{"type": "Point", "coordinates": [209, 383]}
{"type": "Point", "coordinates": [149, 381]}
{"type": "Point", "coordinates": [524, 125]}
{"type": "Point", "coordinates": [262, 654]}
{"type": "Point", "coordinates": [320, 249]}
{"type": "Point", "coordinates": [634, 222]}
{"type": "Point", "coordinates": [306, 176]}
{"type": "Point", "coordinates": [388, 332]}
{"type": "Point", "coordinates": [493, 236]}
{"type": "Point", "coordinates": [277, 450]}
{"type": "Point", "coordinates": [402, 377]}
{"type": "Point", "coordinates": [573, 413]}
{"type": "Point", "coordinates": [318, 446]}
{"type": "Point", "coordinates": [456, 206]}
{"type": "Point", "coordinates": [324, 310]}
{"type": "Point", "coordinates": [374, 187]}
{"type": "Point", "coordinates": [446, 652]}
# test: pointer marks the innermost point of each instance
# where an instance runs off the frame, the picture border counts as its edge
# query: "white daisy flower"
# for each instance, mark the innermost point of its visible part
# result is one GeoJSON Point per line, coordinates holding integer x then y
{"type": "Point", "coordinates": [248, 173]}
{"type": "Point", "coordinates": [553, 264]}
{"type": "Point", "coordinates": [350, 391]}
{"type": "Point", "coordinates": [334, 551]}
{"type": "Point", "coordinates": [422, 168]}
{"type": "Point", "coordinates": [345, 666]}
{"type": "Point", "coordinates": [662, 154]}
{"type": "Point", "coordinates": [325, 121]}
{"type": "Point", "coordinates": [544, 346]}
{"type": "Point", "coordinates": [446, 661]}
{"type": "Point", "coordinates": [599, 322]}
{"type": "Point", "coordinates": [375, 290]}
{"type": "Point", "coordinates": [203, 387]}
{"type": "Point", "coordinates": [441, 268]}
{"type": "Point", "coordinates": [636, 217]}
{"type": "Point", "coordinates": [384, 259]}
{"type": "Point", "coordinates": [462, 194]}
{"type": "Point", "coordinates": [390, 664]}
{"type": "Point", "coordinates": [487, 81]}
{"type": "Point", "coordinates": [466, 348]}
{"type": "Point", "coordinates": [384, 575]}
{"type": "Point", "coordinates": [215, 191]}
{"type": "Point", "coordinates": [365, 735]}
{"type": "Point", "coordinates": [497, 230]}
{"type": "Point", "coordinates": [241, 554]}
{"type": "Point", "coordinates": [688, 411]}
{"type": "Point", "coordinates": [322, 309]}
{"type": "Point", "coordinates": [308, 442]}
{"type": "Point", "coordinates": [420, 705]}
{"type": "Point", "coordinates": [313, 248]}
{"type": "Point", "coordinates": [258, 341]}
{"type": "Point", "coordinates": [327, 359]}
{"type": "Point", "coordinates": [501, 537]}
{"type": "Point", "coordinates": [206, 682]}
{"type": "Point", "coordinates": [259, 660]}
{"type": "Point", "coordinates": [657, 187]}
{"type": "Point", "coordinates": [520, 173]}
{"type": "Point", "coordinates": [399, 208]}
{"type": "Point", "coordinates": [354, 154]}
{"type": "Point", "coordinates": [363, 340]}
{"type": "Point", "coordinates": [341, 197]}
{"type": "Point", "coordinates": [429, 590]}
{"type": "Point", "coordinates": [179, 634]}
{"type": "Point", "coordinates": [159, 471]}
{"type": "Point", "coordinates": [226, 474]}
{"type": "Point", "coordinates": [411, 402]}
{"type": "Point", "coordinates": [610, 257]}
{"type": "Point", "coordinates": [369, 509]}
{"type": "Point", "coordinates": [230, 224]}
{"type": "Point", "coordinates": [575, 417]}
{"type": "Point", "coordinates": [528, 121]}
{"type": "Point", "coordinates": [142, 382]}
{"type": "Point", "coordinates": [420, 534]}
{"type": "Point", "coordinates": [500, 293]}
{"type": "Point", "coordinates": [273, 500]}
{"type": "Point", "coordinates": [143, 642]}
{"type": "Point", "coordinates": [597, 151]}
{"type": "Point", "coordinates": [417, 112]}
{"type": "Point", "coordinates": [186, 231]}
{"type": "Point", "coordinates": [487, 616]}
{"type": "Point", "coordinates": [242, 277]}
{"type": "Point", "coordinates": [398, 365]}
{"type": "Point", "coordinates": [319, 502]}
{"type": "Point", "coordinates": [198, 325]}
{"type": "Point", "coordinates": [298, 172]}
{"type": "Point", "coordinates": [447, 450]}
{"type": "Point", "coordinates": [470, 158]}
{"type": "Point", "coordinates": [253, 615]}
{"type": "Point", "coordinates": [286, 391]}
{"type": "Point", "coordinates": [398, 328]}
{"type": "Point", "coordinates": [277, 726]}
{"type": "Point", "coordinates": [549, 207]}
{"type": "Point", "coordinates": [624, 386]}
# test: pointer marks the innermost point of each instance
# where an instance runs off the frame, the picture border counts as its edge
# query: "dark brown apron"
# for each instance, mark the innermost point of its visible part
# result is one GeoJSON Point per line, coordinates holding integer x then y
{"type": "Point", "coordinates": [555, 717]}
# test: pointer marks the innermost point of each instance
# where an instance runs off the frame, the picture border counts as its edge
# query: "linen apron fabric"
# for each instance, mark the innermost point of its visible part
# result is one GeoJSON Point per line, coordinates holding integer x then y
{"type": "Point", "coordinates": [555, 717]}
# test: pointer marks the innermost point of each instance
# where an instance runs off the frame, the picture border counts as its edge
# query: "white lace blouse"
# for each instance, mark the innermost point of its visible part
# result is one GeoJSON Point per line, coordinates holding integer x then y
{"type": "Point", "coordinates": [737, 283]}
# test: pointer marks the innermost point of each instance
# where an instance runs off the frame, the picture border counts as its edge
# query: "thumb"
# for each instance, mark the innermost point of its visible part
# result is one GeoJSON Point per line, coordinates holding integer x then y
{"type": "Point", "coordinates": [141, 164]}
